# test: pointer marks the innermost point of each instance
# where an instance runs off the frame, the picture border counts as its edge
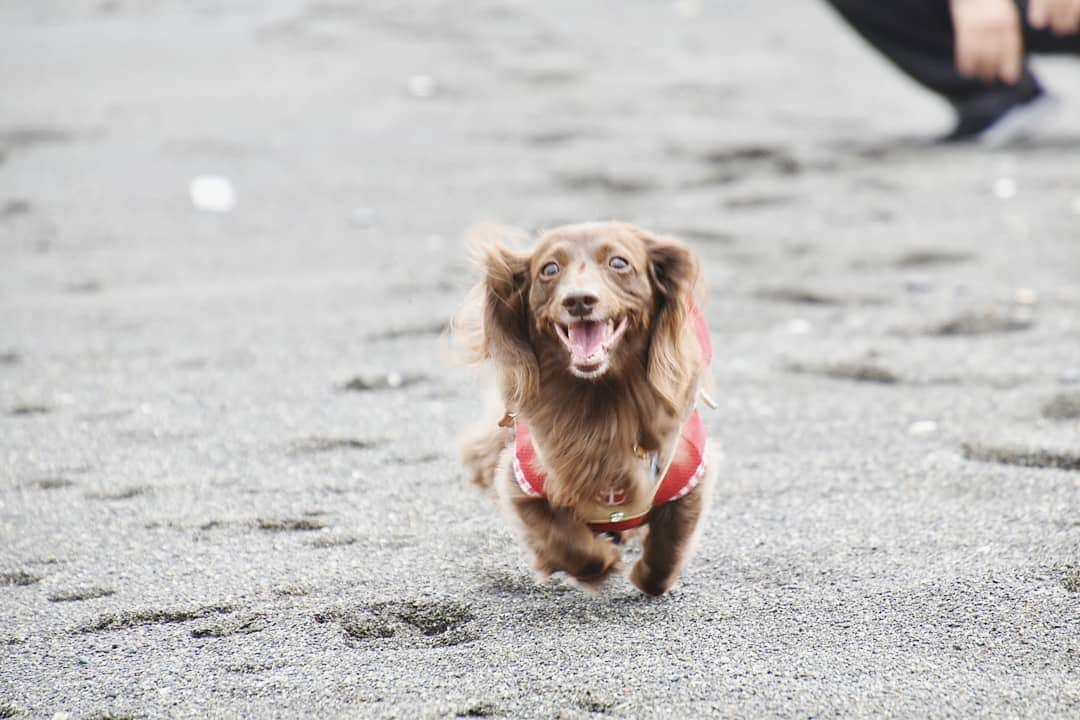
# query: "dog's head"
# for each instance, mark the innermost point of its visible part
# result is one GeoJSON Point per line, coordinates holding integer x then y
{"type": "Point", "coordinates": [595, 302]}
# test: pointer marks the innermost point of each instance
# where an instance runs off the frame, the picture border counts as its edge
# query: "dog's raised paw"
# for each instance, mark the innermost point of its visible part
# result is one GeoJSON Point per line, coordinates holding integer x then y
{"type": "Point", "coordinates": [649, 582]}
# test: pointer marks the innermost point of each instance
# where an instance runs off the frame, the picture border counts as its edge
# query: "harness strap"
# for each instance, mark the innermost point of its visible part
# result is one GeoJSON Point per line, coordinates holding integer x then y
{"type": "Point", "coordinates": [683, 472]}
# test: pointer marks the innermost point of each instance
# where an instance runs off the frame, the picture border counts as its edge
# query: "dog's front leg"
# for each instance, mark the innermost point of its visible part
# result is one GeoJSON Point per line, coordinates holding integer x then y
{"type": "Point", "coordinates": [559, 541]}
{"type": "Point", "coordinates": [669, 543]}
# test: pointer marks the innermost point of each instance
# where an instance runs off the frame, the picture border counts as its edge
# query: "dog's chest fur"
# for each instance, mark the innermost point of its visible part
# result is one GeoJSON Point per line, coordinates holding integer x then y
{"type": "Point", "coordinates": [590, 434]}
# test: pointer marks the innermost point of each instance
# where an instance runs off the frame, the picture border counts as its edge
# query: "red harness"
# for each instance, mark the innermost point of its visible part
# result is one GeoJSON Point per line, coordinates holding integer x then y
{"type": "Point", "coordinates": [685, 470]}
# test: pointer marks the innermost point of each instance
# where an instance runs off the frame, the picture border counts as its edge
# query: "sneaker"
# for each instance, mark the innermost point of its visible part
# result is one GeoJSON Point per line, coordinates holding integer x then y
{"type": "Point", "coordinates": [1020, 122]}
{"type": "Point", "coordinates": [1012, 124]}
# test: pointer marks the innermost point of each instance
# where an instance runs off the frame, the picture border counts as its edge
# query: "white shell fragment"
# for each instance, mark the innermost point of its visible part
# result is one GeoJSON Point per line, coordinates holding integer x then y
{"type": "Point", "coordinates": [922, 427]}
{"type": "Point", "coordinates": [799, 326]}
{"type": "Point", "coordinates": [212, 193]}
{"type": "Point", "coordinates": [422, 86]}
{"type": "Point", "coordinates": [688, 9]}
{"type": "Point", "coordinates": [1026, 296]}
{"type": "Point", "coordinates": [1005, 188]}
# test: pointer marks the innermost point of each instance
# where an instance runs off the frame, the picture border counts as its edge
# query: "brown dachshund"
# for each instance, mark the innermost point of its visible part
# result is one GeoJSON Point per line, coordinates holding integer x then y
{"type": "Point", "coordinates": [600, 350]}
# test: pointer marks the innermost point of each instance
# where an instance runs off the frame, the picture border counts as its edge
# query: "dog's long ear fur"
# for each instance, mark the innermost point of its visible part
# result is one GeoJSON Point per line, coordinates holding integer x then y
{"type": "Point", "coordinates": [494, 322]}
{"type": "Point", "coordinates": [506, 323]}
{"type": "Point", "coordinates": [673, 352]}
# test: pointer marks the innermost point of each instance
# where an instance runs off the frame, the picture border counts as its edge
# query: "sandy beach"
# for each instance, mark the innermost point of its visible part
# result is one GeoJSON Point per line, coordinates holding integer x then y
{"type": "Point", "coordinates": [229, 483]}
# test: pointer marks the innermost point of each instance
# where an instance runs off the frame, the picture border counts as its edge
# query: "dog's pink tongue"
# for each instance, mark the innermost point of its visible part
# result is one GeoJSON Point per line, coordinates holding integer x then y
{"type": "Point", "coordinates": [586, 337]}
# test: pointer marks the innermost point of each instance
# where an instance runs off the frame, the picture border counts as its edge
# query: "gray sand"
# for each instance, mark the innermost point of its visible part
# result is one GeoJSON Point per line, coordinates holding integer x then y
{"type": "Point", "coordinates": [214, 502]}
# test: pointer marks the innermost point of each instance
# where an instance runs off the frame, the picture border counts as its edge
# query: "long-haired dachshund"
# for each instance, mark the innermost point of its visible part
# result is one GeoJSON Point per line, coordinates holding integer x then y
{"type": "Point", "coordinates": [601, 350]}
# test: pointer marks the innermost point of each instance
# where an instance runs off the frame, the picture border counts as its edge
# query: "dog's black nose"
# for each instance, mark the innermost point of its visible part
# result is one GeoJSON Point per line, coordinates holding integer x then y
{"type": "Point", "coordinates": [580, 303]}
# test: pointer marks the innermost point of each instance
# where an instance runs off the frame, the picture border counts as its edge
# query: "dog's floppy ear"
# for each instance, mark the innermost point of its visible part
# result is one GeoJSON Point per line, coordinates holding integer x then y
{"type": "Point", "coordinates": [673, 352]}
{"type": "Point", "coordinates": [506, 322]}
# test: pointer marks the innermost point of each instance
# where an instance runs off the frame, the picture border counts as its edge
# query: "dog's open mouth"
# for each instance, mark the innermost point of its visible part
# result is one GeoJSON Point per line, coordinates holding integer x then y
{"type": "Point", "coordinates": [590, 343]}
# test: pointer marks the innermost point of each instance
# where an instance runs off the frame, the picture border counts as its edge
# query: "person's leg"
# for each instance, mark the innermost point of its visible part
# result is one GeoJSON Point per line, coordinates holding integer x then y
{"type": "Point", "coordinates": [917, 36]}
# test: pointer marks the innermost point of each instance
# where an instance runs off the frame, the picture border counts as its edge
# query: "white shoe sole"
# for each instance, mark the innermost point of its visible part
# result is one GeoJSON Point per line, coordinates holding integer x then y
{"type": "Point", "coordinates": [1020, 122]}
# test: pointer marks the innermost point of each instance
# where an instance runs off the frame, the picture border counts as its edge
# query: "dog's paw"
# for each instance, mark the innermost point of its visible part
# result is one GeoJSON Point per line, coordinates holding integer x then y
{"type": "Point", "coordinates": [542, 570]}
{"type": "Point", "coordinates": [594, 570]}
{"type": "Point", "coordinates": [596, 580]}
{"type": "Point", "coordinates": [650, 582]}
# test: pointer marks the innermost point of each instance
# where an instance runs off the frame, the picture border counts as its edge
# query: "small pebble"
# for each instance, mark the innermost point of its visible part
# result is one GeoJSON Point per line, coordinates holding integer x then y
{"type": "Point", "coordinates": [799, 326]}
{"type": "Point", "coordinates": [689, 9]}
{"type": "Point", "coordinates": [1026, 296]}
{"type": "Point", "coordinates": [212, 193]}
{"type": "Point", "coordinates": [422, 86]}
{"type": "Point", "coordinates": [1005, 188]}
{"type": "Point", "coordinates": [922, 427]}
{"type": "Point", "coordinates": [394, 379]}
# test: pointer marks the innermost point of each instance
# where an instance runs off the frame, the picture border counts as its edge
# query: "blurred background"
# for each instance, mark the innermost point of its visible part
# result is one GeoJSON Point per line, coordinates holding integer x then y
{"type": "Point", "coordinates": [230, 237]}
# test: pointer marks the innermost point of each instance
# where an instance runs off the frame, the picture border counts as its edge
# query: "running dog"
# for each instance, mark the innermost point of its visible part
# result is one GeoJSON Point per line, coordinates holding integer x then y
{"type": "Point", "coordinates": [601, 351]}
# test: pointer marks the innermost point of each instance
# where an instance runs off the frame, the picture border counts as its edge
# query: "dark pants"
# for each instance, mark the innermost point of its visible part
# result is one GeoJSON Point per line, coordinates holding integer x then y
{"type": "Point", "coordinates": [917, 35]}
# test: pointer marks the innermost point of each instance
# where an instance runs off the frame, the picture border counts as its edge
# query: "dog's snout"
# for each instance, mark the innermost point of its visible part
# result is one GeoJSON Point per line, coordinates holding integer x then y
{"type": "Point", "coordinates": [580, 303]}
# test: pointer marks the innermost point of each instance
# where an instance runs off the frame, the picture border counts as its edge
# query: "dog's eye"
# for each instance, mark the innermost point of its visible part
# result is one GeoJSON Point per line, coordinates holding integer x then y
{"type": "Point", "coordinates": [550, 270]}
{"type": "Point", "coordinates": [619, 263]}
